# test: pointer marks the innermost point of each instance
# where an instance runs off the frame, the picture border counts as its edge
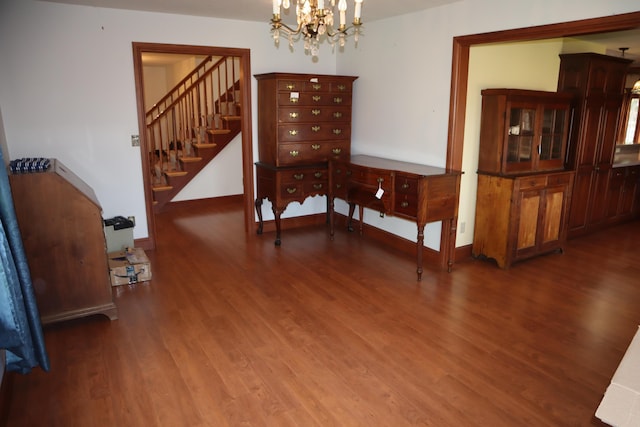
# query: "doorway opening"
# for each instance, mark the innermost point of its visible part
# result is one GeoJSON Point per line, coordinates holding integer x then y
{"type": "Point", "coordinates": [242, 94]}
{"type": "Point", "coordinates": [460, 74]}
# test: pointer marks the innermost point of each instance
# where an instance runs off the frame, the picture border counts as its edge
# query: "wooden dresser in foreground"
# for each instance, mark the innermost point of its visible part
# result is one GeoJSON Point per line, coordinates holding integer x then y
{"type": "Point", "coordinates": [61, 224]}
{"type": "Point", "coordinates": [304, 120]}
{"type": "Point", "coordinates": [408, 190]}
{"type": "Point", "coordinates": [523, 189]}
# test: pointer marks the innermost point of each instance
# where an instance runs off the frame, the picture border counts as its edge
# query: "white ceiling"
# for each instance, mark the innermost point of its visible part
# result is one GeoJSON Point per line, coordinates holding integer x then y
{"type": "Point", "coordinates": [372, 10]}
{"type": "Point", "coordinates": [254, 10]}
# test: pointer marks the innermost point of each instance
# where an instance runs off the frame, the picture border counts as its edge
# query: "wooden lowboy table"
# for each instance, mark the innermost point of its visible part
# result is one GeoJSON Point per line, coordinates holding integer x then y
{"type": "Point", "coordinates": [417, 192]}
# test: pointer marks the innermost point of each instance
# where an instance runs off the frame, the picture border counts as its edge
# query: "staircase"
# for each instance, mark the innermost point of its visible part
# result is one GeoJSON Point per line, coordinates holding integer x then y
{"type": "Point", "coordinates": [191, 124]}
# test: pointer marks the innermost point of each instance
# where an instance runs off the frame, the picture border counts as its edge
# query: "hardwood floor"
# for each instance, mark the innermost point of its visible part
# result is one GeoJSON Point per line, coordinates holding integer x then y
{"type": "Point", "coordinates": [233, 331]}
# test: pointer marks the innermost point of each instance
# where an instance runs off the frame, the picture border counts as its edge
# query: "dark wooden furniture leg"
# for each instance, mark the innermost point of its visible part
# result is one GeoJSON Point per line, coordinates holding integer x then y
{"type": "Point", "coordinates": [259, 212]}
{"type": "Point", "coordinates": [277, 212]}
{"type": "Point", "coordinates": [352, 208]}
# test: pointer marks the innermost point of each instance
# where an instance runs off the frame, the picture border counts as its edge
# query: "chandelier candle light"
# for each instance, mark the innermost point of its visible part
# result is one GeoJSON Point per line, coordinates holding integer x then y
{"type": "Point", "coordinates": [315, 20]}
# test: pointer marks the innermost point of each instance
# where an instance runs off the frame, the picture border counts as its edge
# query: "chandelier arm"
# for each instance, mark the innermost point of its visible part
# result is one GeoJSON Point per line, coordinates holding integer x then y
{"type": "Point", "coordinates": [279, 25]}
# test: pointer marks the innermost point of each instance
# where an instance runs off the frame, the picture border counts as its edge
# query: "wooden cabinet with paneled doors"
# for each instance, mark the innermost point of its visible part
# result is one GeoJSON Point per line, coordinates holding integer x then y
{"type": "Point", "coordinates": [304, 120]}
{"type": "Point", "coordinates": [596, 81]}
{"type": "Point", "coordinates": [622, 194]}
{"type": "Point", "coordinates": [519, 217]}
{"type": "Point", "coordinates": [523, 189]}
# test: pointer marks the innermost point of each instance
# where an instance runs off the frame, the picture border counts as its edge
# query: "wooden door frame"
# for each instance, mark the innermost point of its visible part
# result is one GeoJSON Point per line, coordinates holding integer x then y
{"type": "Point", "coordinates": [246, 124]}
{"type": "Point", "coordinates": [460, 75]}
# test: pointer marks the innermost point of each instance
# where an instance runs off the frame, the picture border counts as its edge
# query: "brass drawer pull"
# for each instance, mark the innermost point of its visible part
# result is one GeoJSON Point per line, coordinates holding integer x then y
{"type": "Point", "coordinates": [337, 115]}
{"type": "Point", "coordinates": [316, 146]}
{"type": "Point", "coordinates": [291, 86]}
{"type": "Point", "coordinates": [341, 87]}
{"type": "Point", "coordinates": [337, 151]}
{"type": "Point", "coordinates": [318, 174]}
{"type": "Point", "coordinates": [405, 186]}
{"type": "Point", "coordinates": [337, 131]}
{"type": "Point", "coordinates": [315, 128]}
{"type": "Point", "coordinates": [293, 115]}
{"type": "Point", "coordinates": [317, 98]}
{"type": "Point", "coordinates": [349, 173]}
{"type": "Point", "coordinates": [315, 112]}
{"type": "Point", "coordinates": [317, 86]}
{"type": "Point", "coordinates": [337, 100]}
{"type": "Point", "coordinates": [291, 190]}
{"type": "Point", "coordinates": [338, 185]}
{"type": "Point", "coordinates": [298, 176]}
{"type": "Point", "coordinates": [404, 204]}
{"type": "Point", "coordinates": [380, 180]}
{"type": "Point", "coordinates": [317, 186]}
{"type": "Point", "coordinates": [293, 132]}
{"type": "Point", "coordinates": [293, 100]}
{"type": "Point", "coordinates": [294, 153]}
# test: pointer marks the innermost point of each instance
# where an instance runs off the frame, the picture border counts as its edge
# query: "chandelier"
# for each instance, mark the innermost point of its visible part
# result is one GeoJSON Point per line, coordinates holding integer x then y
{"type": "Point", "coordinates": [315, 21]}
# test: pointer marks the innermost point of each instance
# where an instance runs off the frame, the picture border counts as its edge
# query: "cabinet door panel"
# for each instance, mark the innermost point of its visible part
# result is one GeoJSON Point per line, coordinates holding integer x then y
{"type": "Point", "coordinates": [528, 224]}
{"type": "Point", "coordinates": [590, 134]}
{"type": "Point", "coordinates": [554, 203]}
{"type": "Point", "coordinates": [608, 131]}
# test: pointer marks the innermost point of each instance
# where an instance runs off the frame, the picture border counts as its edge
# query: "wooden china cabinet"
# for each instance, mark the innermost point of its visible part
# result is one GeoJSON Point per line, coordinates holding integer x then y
{"type": "Point", "coordinates": [597, 82]}
{"type": "Point", "coordinates": [523, 189]}
{"type": "Point", "coordinates": [304, 120]}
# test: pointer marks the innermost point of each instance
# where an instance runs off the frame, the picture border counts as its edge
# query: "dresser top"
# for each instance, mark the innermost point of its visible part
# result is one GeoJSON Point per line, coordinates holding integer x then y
{"type": "Point", "coordinates": [310, 77]}
{"type": "Point", "coordinates": [400, 166]}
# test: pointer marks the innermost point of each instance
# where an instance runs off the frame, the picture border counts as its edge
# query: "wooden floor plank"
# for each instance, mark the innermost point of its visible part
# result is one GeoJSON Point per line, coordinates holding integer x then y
{"type": "Point", "coordinates": [233, 331]}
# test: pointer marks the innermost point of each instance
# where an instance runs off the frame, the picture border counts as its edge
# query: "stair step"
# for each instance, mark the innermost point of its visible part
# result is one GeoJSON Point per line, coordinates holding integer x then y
{"type": "Point", "coordinates": [190, 159]}
{"type": "Point", "coordinates": [218, 131]}
{"type": "Point", "coordinates": [176, 173]}
{"type": "Point", "coordinates": [160, 188]}
{"type": "Point", "coordinates": [205, 145]}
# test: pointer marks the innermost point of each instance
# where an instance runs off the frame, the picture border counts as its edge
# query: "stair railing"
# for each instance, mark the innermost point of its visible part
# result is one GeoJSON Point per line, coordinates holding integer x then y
{"type": "Point", "coordinates": [190, 114]}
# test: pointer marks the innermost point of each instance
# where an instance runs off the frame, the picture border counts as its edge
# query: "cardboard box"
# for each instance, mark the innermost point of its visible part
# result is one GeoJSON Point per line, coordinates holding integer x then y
{"type": "Point", "coordinates": [129, 266]}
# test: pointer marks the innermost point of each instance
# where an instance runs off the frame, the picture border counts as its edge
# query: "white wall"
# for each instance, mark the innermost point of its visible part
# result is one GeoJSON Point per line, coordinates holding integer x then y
{"type": "Point", "coordinates": [67, 86]}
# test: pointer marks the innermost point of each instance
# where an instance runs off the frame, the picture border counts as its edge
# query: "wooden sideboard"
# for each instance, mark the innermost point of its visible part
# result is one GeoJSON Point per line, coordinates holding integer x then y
{"type": "Point", "coordinates": [61, 225]}
{"type": "Point", "coordinates": [304, 120]}
{"type": "Point", "coordinates": [408, 190]}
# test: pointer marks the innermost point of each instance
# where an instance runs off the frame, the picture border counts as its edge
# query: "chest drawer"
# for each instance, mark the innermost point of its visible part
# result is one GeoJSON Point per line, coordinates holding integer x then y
{"type": "Point", "coordinates": [314, 114]}
{"type": "Point", "coordinates": [314, 86]}
{"type": "Point", "coordinates": [305, 175]}
{"type": "Point", "coordinates": [301, 183]}
{"type": "Point", "coordinates": [313, 132]}
{"type": "Point", "coordinates": [312, 152]}
{"type": "Point", "coordinates": [288, 99]}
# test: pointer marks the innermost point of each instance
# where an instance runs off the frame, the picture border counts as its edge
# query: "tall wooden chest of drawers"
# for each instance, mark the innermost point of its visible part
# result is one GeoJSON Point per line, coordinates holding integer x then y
{"type": "Point", "coordinates": [304, 120]}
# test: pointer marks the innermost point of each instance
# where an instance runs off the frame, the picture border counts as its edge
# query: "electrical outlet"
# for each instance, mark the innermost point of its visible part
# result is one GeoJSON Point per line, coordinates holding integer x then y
{"type": "Point", "coordinates": [463, 226]}
{"type": "Point", "coordinates": [135, 140]}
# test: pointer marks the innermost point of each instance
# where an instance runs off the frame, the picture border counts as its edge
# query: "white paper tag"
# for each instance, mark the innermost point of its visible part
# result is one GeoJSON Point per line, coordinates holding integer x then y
{"type": "Point", "coordinates": [379, 193]}
{"type": "Point", "coordinates": [294, 95]}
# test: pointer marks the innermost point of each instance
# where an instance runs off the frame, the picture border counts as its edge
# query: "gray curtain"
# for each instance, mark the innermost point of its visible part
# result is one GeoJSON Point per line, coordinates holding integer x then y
{"type": "Point", "coordinates": [20, 328]}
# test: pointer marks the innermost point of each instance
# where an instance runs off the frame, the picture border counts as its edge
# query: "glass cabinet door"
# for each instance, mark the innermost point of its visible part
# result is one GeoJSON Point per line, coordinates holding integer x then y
{"type": "Point", "coordinates": [520, 143]}
{"type": "Point", "coordinates": [552, 134]}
